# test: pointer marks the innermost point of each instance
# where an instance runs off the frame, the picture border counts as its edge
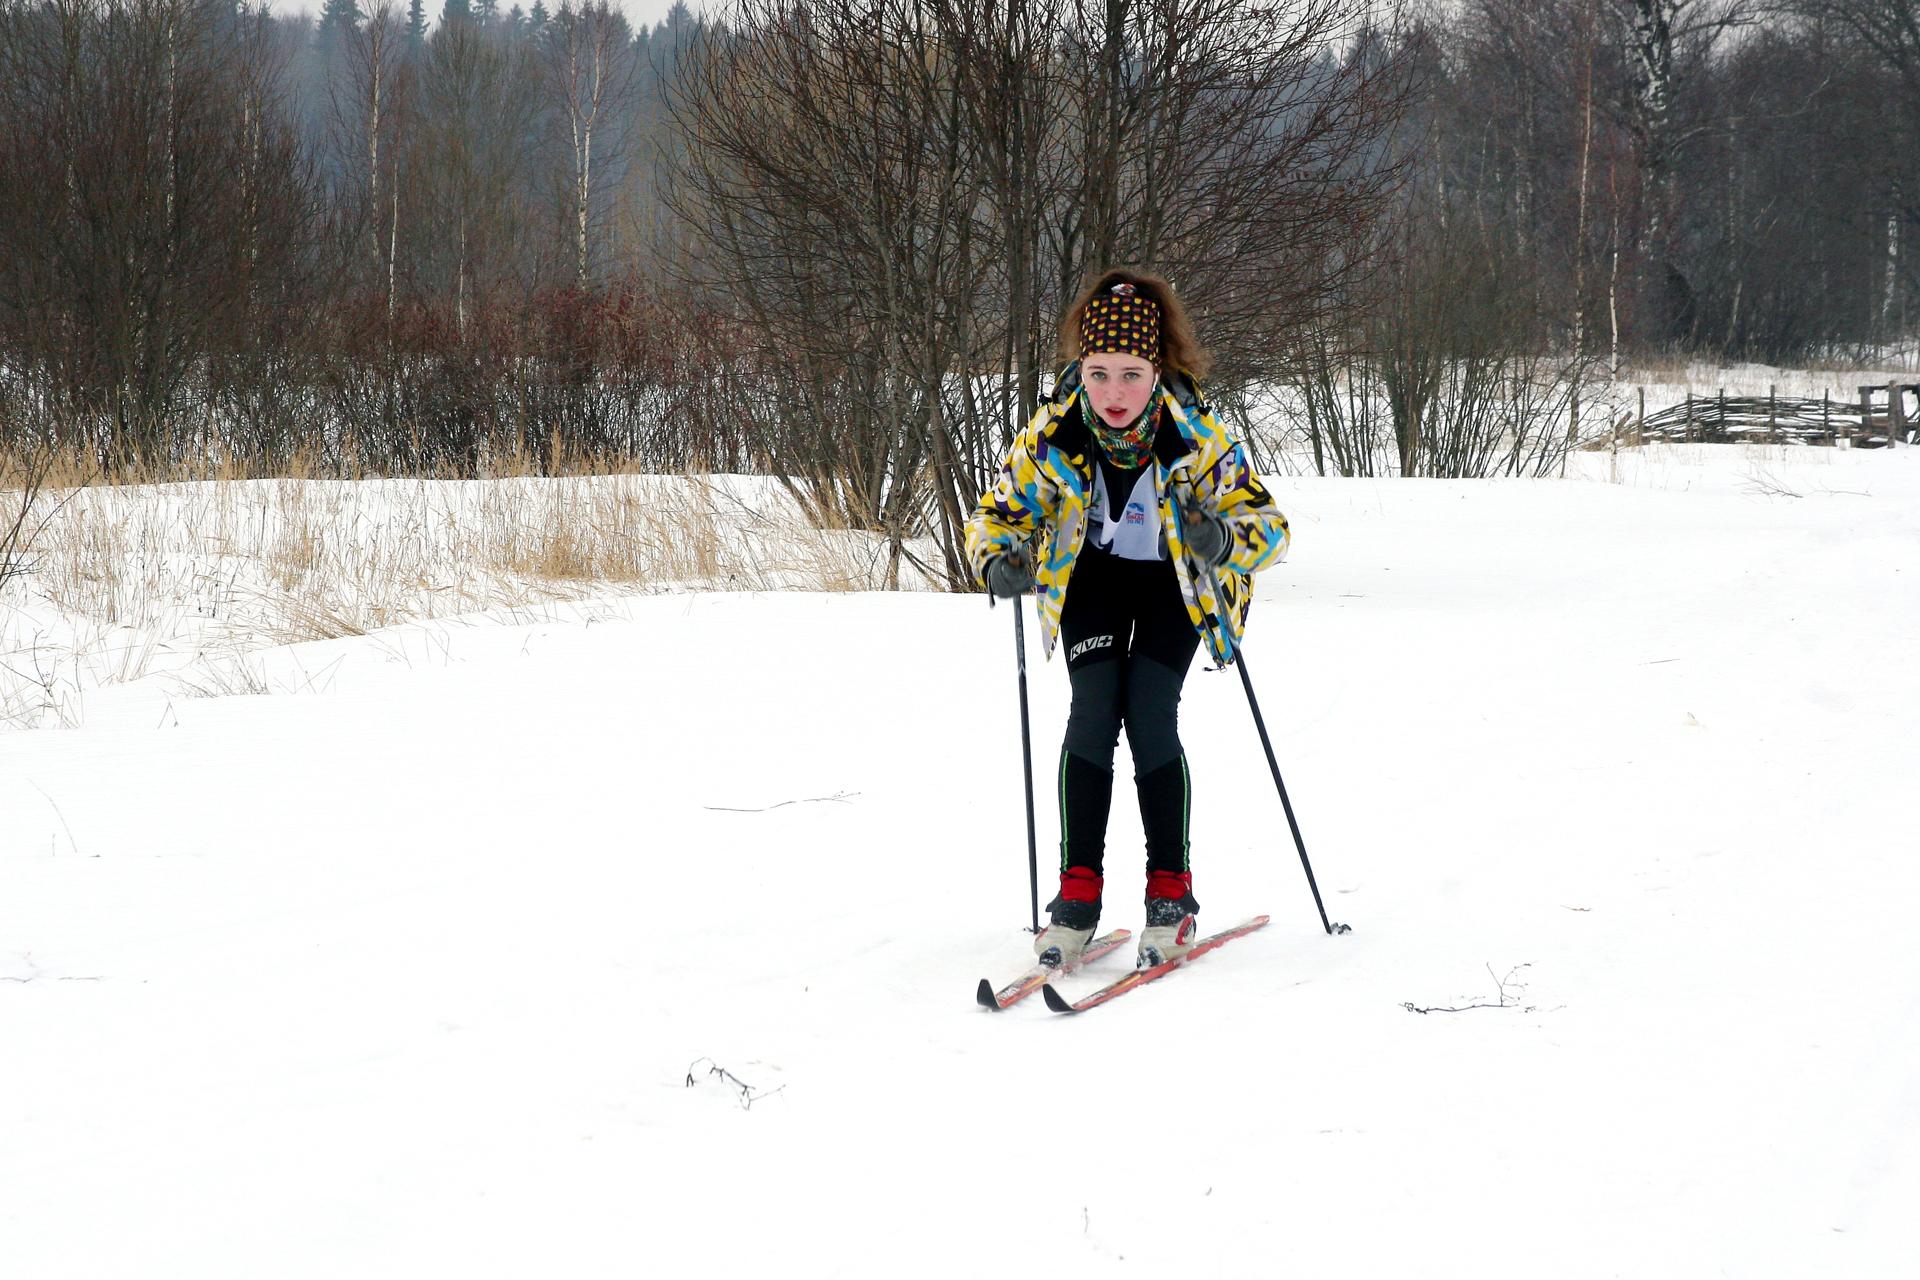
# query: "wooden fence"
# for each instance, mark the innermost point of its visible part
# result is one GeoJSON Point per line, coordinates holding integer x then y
{"type": "Point", "coordinates": [1725, 419]}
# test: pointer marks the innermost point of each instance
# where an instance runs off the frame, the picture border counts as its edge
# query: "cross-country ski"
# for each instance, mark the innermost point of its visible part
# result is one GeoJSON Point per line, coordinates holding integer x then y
{"type": "Point", "coordinates": [1036, 977]}
{"type": "Point", "coordinates": [1140, 977]}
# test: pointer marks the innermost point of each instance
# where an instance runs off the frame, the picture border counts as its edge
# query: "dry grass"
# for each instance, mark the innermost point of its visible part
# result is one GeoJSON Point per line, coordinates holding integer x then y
{"type": "Point", "coordinates": [187, 576]}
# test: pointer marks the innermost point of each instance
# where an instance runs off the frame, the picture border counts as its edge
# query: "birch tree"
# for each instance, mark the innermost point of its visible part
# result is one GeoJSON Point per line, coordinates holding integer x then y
{"type": "Point", "coordinates": [478, 110]}
{"type": "Point", "coordinates": [588, 79]}
{"type": "Point", "coordinates": [1666, 42]}
{"type": "Point", "coordinates": [369, 89]}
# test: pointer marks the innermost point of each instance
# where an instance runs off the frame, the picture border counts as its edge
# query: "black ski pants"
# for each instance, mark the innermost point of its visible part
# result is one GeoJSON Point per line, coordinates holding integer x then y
{"type": "Point", "coordinates": [1129, 644]}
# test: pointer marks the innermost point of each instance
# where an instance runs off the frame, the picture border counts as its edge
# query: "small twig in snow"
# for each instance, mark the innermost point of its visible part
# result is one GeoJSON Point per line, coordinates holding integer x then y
{"type": "Point", "coordinates": [1762, 482]}
{"type": "Point", "coordinates": [37, 973]}
{"type": "Point", "coordinates": [837, 798]}
{"type": "Point", "coordinates": [748, 1094]}
{"type": "Point", "coordinates": [56, 812]}
{"type": "Point", "coordinates": [307, 680]}
{"type": "Point", "coordinates": [1506, 1001]}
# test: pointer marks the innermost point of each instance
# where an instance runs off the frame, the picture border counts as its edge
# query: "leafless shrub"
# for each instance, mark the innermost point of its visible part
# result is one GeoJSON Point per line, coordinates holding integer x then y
{"type": "Point", "coordinates": [24, 508]}
{"type": "Point", "coordinates": [1454, 366]}
{"type": "Point", "coordinates": [896, 200]}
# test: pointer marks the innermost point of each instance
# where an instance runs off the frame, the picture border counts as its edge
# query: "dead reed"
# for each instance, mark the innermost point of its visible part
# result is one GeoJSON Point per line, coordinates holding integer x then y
{"type": "Point", "coordinates": [185, 574]}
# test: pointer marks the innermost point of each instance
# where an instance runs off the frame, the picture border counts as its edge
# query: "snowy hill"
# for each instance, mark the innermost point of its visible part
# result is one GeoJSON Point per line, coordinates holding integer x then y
{"type": "Point", "coordinates": [432, 967]}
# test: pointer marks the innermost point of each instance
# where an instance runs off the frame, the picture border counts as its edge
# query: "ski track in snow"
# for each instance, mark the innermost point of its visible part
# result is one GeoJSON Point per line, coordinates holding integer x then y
{"type": "Point", "coordinates": [407, 975]}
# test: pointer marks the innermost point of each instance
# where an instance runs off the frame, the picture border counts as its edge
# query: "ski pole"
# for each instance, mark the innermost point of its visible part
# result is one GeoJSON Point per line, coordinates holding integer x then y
{"type": "Point", "coordinates": [1240, 662]}
{"type": "Point", "coordinates": [1237, 655]}
{"type": "Point", "coordinates": [1026, 761]}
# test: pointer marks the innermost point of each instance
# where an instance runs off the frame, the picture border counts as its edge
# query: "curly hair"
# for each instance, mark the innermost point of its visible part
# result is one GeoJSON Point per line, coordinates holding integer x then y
{"type": "Point", "coordinates": [1179, 349]}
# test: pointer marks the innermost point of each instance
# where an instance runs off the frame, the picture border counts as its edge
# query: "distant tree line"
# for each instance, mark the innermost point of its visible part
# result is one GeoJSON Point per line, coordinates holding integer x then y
{"type": "Point", "coordinates": [1728, 177]}
{"type": "Point", "coordinates": [234, 240]}
{"type": "Point", "coordinates": [830, 238]}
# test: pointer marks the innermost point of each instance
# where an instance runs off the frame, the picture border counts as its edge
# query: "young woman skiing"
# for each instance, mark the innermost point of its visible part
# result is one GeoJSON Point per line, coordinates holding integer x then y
{"type": "Point", "coordinates": [1138, 524]}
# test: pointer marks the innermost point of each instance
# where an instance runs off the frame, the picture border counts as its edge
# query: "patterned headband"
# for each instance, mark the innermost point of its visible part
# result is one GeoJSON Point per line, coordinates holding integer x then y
{"type": "Point", "coordinates": [1121, 320]}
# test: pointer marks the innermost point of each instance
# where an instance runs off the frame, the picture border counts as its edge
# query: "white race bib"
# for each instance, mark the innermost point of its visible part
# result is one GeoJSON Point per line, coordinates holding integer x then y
{"type": "Point", "coordinates": [1132, 532]}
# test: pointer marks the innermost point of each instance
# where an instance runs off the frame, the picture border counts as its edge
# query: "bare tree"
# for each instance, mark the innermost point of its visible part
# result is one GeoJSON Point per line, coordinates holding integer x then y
{"type": "Point", "coordinates": [1010, 85]}
{"type": "Point", "coordinates": [829, 167]}
{"type": "Point", "coordinates": [369, 91]}
{"type": "Point", "coordinates": [1241, 149]}
{"type": "Point", "coordinates": [1668, 44]}
{"type": "Point", "coordinates": [176, 211]}
{"type": "Point", "coordinates": [478, 104]}
{"type": "Point", "coordinates": [899, 198]}
{"type": "Point", "coordinates": [588, 64]}
{"type": "Point", "coordinates": [1890, 29]}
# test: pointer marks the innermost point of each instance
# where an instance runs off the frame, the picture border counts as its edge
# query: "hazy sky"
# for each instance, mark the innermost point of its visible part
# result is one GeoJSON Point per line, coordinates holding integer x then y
{"type": "Point", "coordinates": [639, 12]}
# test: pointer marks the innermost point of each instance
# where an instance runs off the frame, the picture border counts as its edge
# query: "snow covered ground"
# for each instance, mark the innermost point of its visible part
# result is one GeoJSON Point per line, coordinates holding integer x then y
{"type": "Point", "coordinates": [428, 962]}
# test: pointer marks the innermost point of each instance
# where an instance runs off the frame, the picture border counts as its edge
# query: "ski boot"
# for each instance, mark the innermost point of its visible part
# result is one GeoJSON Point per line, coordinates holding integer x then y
{"type": "Point", "coordinates": [1073, 916]}
{"type": "Point", "coordinates": [1172, 918]}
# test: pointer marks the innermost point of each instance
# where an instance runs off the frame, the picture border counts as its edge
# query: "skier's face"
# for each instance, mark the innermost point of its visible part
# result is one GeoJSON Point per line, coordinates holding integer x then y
{"type": "Point", "coordinates": [1118, 385]}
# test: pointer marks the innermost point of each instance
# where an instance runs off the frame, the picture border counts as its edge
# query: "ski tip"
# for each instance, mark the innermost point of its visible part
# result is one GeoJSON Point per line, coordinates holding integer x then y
{"type": "Point", "coordinates": [985, 996]}
{"type": "Point", "coordinates": [1056, 1001]}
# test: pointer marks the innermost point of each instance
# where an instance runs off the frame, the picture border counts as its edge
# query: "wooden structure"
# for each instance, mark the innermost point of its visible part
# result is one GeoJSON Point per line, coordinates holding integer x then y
{"type": "Point", "coordinates": [1895, 423]}
{"type": "Point", "coordinates": [1886, 413]}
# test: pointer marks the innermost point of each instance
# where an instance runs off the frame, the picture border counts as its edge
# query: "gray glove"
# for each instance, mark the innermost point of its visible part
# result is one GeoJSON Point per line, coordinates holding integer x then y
{"type": "Point", "coordinates": [1205, 534]}
{"type": "Point", "coordinates": [1008, 576]}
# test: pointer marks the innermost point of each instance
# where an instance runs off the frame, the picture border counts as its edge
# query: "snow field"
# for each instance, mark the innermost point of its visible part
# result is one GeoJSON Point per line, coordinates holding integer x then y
{"type": "Point", "coordinates": [403, 971]}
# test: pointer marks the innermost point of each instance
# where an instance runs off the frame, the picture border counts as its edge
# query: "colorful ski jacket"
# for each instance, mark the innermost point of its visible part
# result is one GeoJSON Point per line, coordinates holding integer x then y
{"type": "Point", "coordinates": [1040, 502]}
